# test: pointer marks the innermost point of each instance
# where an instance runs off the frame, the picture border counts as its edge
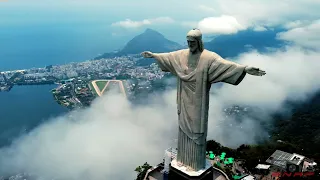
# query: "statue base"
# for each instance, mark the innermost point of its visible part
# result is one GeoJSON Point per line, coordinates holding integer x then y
{"type": "Point", "coordinates": [177, 172]}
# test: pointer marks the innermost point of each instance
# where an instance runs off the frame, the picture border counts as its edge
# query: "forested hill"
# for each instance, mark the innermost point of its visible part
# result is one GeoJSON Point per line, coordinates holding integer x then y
{"type": "Point", "coordinates": [302, 128]}
{"type": "Point", "coordinates": [149, 40]}
{"type": "Point", "coordinates": [299, 134]}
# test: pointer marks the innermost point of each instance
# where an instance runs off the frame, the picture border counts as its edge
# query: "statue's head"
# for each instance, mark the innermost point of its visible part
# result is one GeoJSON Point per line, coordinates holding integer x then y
{"type": "Point", "coordinates": [194, 39]}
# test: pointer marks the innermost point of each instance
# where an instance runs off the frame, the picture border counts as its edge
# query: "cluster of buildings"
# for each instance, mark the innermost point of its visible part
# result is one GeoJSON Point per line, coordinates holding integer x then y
{"type": "Point", "coordinates": [74, 93]}
{"type": "Point", "coordinates": [119, 67]}
{"type": "Point", "coordinates": [284, 164]}
{"type": "Point", "coordinates": [6, 79]}
{"type": "Point", "coordinates": [279, 164]}
{"type": "Point", "coordinates": [4, 84]}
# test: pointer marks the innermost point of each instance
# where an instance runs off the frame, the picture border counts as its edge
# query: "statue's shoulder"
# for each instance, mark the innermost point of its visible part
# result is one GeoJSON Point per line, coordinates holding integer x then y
{"type": "Point", "coordinates": [210, 55]}
{"type": "Point", "coordinates": [177, 51]}
{"type": "Point", "coordinates": [181, 51]}
{"type": "Point", "coordinates": [210, 52]}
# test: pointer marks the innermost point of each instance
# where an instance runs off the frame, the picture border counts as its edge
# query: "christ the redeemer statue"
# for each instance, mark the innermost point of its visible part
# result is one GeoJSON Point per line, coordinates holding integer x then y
{"type": "Point", "coordinates": [196, 69]}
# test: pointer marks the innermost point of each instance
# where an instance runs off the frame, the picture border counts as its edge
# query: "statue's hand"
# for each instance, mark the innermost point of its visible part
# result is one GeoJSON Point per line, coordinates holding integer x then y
{"type": "Point", "coordinates": [147, 54]}
{"type": "Point", "coordinates": [254, 71]}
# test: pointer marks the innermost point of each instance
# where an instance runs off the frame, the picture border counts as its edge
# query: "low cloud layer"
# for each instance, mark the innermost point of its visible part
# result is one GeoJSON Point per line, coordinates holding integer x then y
{"type": "Point", "coordinates": [292, 75]}
{"type": "Point", "coordinates": [112, 137]}
{"type": "Point", "coordinates": [106, 141]}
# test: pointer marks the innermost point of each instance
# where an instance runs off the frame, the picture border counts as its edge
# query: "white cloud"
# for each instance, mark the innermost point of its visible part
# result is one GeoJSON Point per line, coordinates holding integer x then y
{"type": "Point", "coordinates": [131, 24]}
{"type": "Point", "coordinates": [128, 23]}
{"type": "Point", "coordinates": [306, 36]}
{"type": "Point", "coordinates": [260, 28]}
{"type": "Point", "coordinates": [292, 74]}
{"type": "Point", "coordinates": [106, 141]}
{"type": "Point", "coordinates": [205, 8]}
{"type": "Point", "coordinates": [295, 24]}
{"type": "Point", "coordinates": [220, 25]}
{"type": "Point", "coordinates": [258, 14]}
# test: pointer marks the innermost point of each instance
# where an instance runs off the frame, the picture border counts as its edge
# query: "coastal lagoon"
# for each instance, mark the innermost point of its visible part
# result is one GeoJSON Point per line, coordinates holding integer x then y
{"type": "Point", "coordinates": [24, 108]}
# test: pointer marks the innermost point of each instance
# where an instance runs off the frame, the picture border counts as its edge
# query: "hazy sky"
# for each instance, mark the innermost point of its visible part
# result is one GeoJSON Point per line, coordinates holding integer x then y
{"type": "Point", "coordinates": [173, 18]}
{"type": "Point", "coordinates": [62, 31]}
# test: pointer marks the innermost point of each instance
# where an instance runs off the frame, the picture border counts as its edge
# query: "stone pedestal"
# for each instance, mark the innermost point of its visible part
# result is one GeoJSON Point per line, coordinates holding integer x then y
{"type": "Point", "coordinates": [180, 173]}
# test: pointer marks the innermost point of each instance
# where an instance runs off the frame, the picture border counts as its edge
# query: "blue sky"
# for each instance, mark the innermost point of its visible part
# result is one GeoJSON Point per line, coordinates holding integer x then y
{"type": "Point", "coordinates": [76, 30]}
{"type": "Point", "coordinates": [173, 18]}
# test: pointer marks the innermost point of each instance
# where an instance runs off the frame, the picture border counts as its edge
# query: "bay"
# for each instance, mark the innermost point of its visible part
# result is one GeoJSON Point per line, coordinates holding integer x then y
{"type": "Point", "coordinates": [24, 108]}
{"type": "Point", "coordinates": [28, 46]}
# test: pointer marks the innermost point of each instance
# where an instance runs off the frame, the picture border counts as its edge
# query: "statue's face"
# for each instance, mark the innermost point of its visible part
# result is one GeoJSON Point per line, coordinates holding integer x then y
{"type": "Point", "coordinates": [193, 45]}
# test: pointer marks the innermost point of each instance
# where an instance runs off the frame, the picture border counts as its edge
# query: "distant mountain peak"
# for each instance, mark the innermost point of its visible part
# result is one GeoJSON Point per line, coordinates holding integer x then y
{"type": "Point", "coordinates": [149, 40]}
{"type": "Point", "coordinates": [151, 32]}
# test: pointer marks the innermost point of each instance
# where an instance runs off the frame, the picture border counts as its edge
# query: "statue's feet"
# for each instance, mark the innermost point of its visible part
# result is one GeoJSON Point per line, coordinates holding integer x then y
{"type": "Point", "coordinates": [190, 168]}
{"type": "Point", "coordinates": [179, 164]}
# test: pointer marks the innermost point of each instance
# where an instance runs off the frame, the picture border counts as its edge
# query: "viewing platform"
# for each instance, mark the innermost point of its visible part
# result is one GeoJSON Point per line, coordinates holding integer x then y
{"type": "Point", "coordinates": [161, 171]}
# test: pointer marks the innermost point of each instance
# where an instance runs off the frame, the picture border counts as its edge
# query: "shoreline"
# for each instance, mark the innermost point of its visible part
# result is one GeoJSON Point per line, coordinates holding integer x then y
{"type": "Point", "coordinates": [7, 88]}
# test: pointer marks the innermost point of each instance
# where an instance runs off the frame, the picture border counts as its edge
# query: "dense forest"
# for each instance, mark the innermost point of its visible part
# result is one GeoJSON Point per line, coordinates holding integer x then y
{"type": "Point", "coordinates": [299, 133]}
{"type": "Point", "coordinates": [302, 129]}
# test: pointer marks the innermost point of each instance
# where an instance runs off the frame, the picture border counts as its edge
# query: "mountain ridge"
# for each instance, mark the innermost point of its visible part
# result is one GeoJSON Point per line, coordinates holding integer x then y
{"type": "Point", "coordinates": [149, 40]}
{"type": "Point", "coordinates": [230, 45]}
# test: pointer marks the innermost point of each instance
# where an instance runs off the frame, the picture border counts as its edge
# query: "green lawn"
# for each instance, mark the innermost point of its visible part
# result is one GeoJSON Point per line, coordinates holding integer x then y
{"type": "Point", "coordinates": [101, 84]}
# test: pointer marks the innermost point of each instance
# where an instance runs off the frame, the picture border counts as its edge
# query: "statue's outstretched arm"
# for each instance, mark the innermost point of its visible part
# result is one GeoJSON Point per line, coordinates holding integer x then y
{"type": "Point", "coordinates": [166, 61]}
{"type": "Point", "coordinates": [254, 71]}
{"type": "Point", "coordinates": [147, 54]}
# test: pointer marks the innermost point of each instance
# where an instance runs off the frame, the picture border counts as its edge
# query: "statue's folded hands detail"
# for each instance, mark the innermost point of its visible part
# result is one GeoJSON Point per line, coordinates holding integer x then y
{"type": "Point", "coordinates": [196, 69]}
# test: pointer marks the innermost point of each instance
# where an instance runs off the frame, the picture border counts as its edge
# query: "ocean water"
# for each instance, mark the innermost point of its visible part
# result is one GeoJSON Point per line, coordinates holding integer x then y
{"type": "Point", "coordinates": [38, 45]}
{"type": "Point", "coordinates": [26, 45]}
{"type": "Point", "coordinates": [24, 108]}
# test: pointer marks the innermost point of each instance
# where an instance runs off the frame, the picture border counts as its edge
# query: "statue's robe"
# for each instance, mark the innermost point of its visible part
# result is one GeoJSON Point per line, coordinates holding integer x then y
{"type": "Point", "coordinates": [193, 86]}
